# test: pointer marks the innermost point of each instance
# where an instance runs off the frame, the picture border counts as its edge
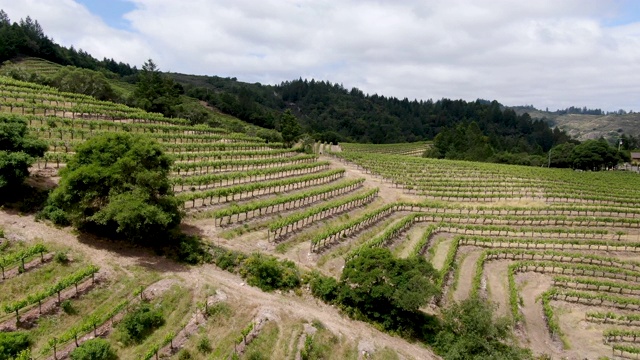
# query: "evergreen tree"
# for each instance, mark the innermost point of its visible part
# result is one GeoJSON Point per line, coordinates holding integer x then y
{"type": "Point", "coordinates": [154, 92]}
{"type": "Point", "coordinates": [290, 128]}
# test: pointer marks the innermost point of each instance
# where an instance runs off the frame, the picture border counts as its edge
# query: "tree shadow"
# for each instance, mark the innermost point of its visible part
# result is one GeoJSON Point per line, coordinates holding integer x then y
{"type": "Point", "coordinates": [23, 199]}
{"type": "Point", "coordinates": [146, 257]}
{"type": "Point", "coordinates": [191, 230]}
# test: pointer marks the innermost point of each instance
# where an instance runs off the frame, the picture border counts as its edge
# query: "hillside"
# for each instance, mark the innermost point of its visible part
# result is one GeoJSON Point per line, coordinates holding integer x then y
{"type": "Point", "coordinates": [584, 126]}
{"type": "Point", "coordinates": [553, 248]}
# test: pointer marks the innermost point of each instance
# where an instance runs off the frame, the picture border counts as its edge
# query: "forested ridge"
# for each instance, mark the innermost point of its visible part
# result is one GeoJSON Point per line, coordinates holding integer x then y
{"type": "Point", "coordinates": [27, 38]}
{"type": "Point", "coordinates": [480, 130]}
{"type": "Point", "coordinates": [333, 113]}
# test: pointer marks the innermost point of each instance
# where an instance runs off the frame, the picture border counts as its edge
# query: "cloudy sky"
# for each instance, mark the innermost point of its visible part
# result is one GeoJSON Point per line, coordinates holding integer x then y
{"type": "Point", "coordinates": [548, 53]}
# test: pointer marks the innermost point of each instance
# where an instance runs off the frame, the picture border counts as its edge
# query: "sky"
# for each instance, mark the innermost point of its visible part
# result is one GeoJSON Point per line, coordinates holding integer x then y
{"type": "Point", "coordinates": [547, 53]}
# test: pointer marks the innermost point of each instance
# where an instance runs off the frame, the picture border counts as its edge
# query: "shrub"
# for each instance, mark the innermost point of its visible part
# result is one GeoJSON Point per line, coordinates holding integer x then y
{"type": "Point", "coordinates": [18, 150]}
{"type": "Point", "coordinates": [323, 287]}
{"type": "Point", "coordinates": [220, 309]}
{"type": "Point", "coordinates": [191, 250]}
{"type": "Point", "coordinates": [67, 307]}
{"type": "Point", "coordinates": [12, 343]}
{"type": "Point", "coordinates": [141, 322]}
{"type": "Point", "coordinates": [94, 349]}
{"type": "Point", "coordinates": [61, 257]}
{"type": "Point", "coordinates": [268, 273]}
{"type": "Point", "coordinates": [184, 355]}
{"type": "Point", "coordinates": [204, 345]}
{"type": "Point", "coordinates": [55, 214]}
{"type": "Point", "coordinates": [227, 259]}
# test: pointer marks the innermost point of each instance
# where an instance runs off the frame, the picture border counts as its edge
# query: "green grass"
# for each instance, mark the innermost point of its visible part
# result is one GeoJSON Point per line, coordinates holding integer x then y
{"type": "Point", "coordinates": [103, 297]}
{"type": "Point", "coordinates": [177, 307]}
{"type": "Point", "coordinates": [385, 354]}
{"type": "Point", "coordinates": [262, 347]}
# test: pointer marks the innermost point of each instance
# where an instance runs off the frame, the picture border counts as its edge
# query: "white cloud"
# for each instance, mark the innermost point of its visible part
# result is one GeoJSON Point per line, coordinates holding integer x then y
{"type": "Point", "coordinates": [543, 52]}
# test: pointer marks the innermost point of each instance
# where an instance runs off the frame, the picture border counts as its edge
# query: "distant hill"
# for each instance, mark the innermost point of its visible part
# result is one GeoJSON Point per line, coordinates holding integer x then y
{"type": "Point", "coordinates": [585, 126]}
{"type": "Point", "coordinates": [328, 111]}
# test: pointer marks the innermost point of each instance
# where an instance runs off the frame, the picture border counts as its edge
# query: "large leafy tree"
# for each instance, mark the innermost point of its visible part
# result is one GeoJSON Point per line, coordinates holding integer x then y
{"type": "Point", "coordinates": [594, 155]}
{"type": "Point", "coordinates": [18, 150]}
{"type": "Point", "coordinates": [470, 331]}
{"type": "Point", "coordinates": [117, 184]}
{"type": "Point", "coordinates": [386, 289]}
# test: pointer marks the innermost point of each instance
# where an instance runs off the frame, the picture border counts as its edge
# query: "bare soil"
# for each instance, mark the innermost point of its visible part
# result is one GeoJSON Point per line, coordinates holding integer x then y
{"type": "Point", "coordinates": [535, 334]}
{"type": "Point", "coordinates": [467, 272]}
{"type": "Point", "coordinates": [109, 255]}
{"type": "Point", "coordinates": [495, 273]}
{"type": "Point", "coordinates": [441, 249]}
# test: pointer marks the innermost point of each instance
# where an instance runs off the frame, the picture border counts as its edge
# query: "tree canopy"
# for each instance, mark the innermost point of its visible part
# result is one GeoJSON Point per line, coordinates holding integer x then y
{"type": "Point", "coordinates": [155, 92]}
{"type": "Point", "coordinates": [117, 184]}
{"type": "Point", "coordinates": [588, 155]}
{"type": "Point", "coordinates": [290, 128]}
{"type": "Point", "coordinates": [385, 289]}
{"type": "Point", "coordinates": [469, 331]}
{"type": "Point", "coordinates": [18, 150]}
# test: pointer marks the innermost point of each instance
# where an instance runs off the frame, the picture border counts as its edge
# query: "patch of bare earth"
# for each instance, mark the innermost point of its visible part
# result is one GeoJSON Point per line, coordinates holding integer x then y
{"type": "Point", "coordinates": [535, 334]}
{"type": "Point", "coordinates": [466, 273]}
{"type": "Point", "coordinates": [109, 255]}
{"type": "Point", "coordinates": [584, 338]}
{"type": "Point", "coordinates": [495, 273]}
{"type": "Point", "coordinates": [442, 243]}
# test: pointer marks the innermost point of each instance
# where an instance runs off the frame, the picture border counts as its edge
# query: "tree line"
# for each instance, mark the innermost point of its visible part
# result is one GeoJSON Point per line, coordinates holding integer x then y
{"type": "Point", "coordinates": [26, 38]}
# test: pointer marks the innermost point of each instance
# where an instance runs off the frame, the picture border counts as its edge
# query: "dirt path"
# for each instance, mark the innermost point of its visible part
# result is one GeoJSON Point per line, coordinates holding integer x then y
{"type": "Point", "coordinates": [306, 308]}
{"type": "Point", "coordinates": [495, 272]}
{"type": "Point", "coordinates": [467, 272]}
{"type": "Point", "coordinates": [109, 255]}
{"type": "Point", "coordinates": [441, 249]}
{"type": "Point", "coordinates": [403, 246]}
{"type": "Point", "coordinates": [536, 336]}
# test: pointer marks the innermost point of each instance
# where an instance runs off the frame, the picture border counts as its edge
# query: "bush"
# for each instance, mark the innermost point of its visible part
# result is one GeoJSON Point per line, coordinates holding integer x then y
{"type": "Point", "coordinates": [67, 307]}
{"type": "Point", "coordinates": [219, 309]}
{"type": "Point", "coordinates": [471, 332]}
{"type": "Point", "coordinates": [18, 150]}
{"type": "Point", "coordinates": [141, 322]}
{"type": "Point", "coordinates": [227, 260]}
{"type": "Point", "coordinates": [61, 257]}
{"type": "Point", "coordinates": [184, 355]}
{"type": "Point", "coordinates": [94, 349]}
{"type": "Point", "coordinates": [204, 345]}
{"type": "Point", "coordinates": [323, 287]}
{"type": "Point", "coordinates": [56, 215]}
{"type": "Point", "coordinates": [269, 274]}
{"type": "Point", "coordinates": [191, 250]}
{"type": "Point", "coordinates": [12, 343]}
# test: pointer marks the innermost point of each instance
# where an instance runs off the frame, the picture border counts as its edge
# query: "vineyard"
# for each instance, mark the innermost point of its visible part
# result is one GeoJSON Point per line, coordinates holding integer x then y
{"type": "Point", "coordinates": [555, 250]}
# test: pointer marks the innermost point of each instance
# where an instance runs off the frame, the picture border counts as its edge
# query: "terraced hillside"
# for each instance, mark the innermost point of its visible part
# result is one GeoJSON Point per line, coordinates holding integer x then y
{"type": "Point", "coordinates": [224, 178]}
{"type": "Point", "coordinates": [411, 149]}
{"type": "Point", "coordinates": [554, 249]}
